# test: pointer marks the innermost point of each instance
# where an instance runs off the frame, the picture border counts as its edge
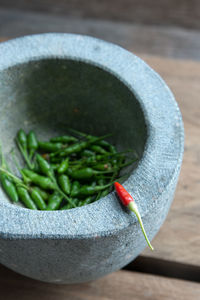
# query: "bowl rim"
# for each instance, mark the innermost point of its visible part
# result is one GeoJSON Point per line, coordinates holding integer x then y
{"type": "Point", "coordinates": [162, 155]}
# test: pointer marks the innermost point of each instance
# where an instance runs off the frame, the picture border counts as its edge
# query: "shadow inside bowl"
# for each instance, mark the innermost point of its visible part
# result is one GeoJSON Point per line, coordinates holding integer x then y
{"type": "Point", "coordinates": [51, 95]}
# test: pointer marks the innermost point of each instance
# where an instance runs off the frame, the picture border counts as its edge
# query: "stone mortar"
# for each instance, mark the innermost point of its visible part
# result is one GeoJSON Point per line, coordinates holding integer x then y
{"type": "Point", "coordinates": [49, 82]}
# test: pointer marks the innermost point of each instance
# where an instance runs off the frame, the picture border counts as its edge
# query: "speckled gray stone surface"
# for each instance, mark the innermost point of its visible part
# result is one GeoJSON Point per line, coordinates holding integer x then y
{"type": "Point", "coordinates": [51, 81]}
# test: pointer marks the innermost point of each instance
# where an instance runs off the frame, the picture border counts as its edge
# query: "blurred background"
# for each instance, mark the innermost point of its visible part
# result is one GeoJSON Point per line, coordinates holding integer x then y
{"type": "Point", "coordinates": [166, 34]}
{"type": "Point", "coordinates": [164, 27]}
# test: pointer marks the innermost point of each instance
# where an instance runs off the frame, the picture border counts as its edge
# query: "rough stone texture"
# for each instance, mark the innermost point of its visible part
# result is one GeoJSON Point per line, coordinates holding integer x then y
{"type": "Point", "coordinates": [52, 81]}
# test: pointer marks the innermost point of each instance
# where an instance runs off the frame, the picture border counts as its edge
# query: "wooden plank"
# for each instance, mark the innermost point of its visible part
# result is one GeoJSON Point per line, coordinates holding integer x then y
{"type": "Point", "coordinates": [155, 40]}
{"type": "Point", "coordinates": [179, 238]}
{"type": "Point", "coordinates": [116, 286]}
{"type": "Point", "coordinates": [163, 12]}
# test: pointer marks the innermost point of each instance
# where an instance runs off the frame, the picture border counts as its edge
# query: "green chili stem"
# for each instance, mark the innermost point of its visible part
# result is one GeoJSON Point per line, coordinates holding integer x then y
{"type": "Point", "coordinates": [128, 163]}
{"type": "Point", "coordinates": [15, 178]}
{"type": "Point", "coordinates": [25, 178]}
{"type": "Point", "coordinates": [133, 207]}
{"type": "Point", "coordinates": [25, 156]}
{"type": "Point", "coordinates": [15, 161]}
{"type": "Point", "coordinates": [3, 161]}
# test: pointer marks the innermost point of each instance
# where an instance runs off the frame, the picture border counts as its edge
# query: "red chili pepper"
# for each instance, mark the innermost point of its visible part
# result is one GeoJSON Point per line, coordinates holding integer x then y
{"type": "Point", "coordinates": [128, 201]}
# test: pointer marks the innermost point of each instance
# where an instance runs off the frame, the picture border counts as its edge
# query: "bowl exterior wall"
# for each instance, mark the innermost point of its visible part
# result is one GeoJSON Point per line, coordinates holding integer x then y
{"type": "Point", "coordinates": [76, 260]}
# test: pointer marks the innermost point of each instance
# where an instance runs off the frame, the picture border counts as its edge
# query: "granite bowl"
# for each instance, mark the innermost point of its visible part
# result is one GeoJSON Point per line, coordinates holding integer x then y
{"type": "Point", "coordinates": [49, 82]}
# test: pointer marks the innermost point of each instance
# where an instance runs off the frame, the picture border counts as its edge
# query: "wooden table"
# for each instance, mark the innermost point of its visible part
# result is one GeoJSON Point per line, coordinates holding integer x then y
{"type": "Point", "coordinates": [173, 270]}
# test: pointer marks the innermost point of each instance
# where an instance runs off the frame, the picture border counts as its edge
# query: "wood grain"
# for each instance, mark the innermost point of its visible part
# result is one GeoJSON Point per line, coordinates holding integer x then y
{"type": "Point", "coordinates": [117, 286]}
{"type": "Point", "coordinates": [163, 12]}
{"type": "Point", "coordinates": [179, 238]}
{"type": "Point", "coordinates": [146, 39]}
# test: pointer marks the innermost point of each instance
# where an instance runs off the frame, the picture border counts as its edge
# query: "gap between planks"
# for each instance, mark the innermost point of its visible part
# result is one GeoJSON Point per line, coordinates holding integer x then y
{"type": "Point", "coordinates": [116, 286]}
{"type": "Point", "coordinates": [166, 268]}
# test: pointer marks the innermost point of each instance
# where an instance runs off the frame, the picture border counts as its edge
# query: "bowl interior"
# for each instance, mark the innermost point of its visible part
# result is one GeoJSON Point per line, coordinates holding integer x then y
{"type": "Point", "coordinates": [50, 95]}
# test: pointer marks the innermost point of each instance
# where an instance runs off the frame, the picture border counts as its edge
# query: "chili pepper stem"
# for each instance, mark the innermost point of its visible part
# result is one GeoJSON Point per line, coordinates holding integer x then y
{"type": "Point", "coordinates": [133, 207]}
{"type": "Point", "coordinates": [3, 161]}
{"type": "Point", "coordinates": [15, 178]}
{"type": "Point", "coordinates": [16, 163]}
{"type": "Point", "coordinates": [25, 156]}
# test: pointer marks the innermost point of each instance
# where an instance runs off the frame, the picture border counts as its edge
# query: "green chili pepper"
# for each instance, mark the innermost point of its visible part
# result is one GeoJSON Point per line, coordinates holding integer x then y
{"type": "Point", "coordinates": [83, 161]}
{"type": "Point", "coordinates": [100, 143]}
{"type": "Point", "coordinates": [87, 153]}
{"type": "Point", "coordinates": [55, 167]}
{"type": "Point", "coordinates": [98, 149]}
{"type": "Point", "coordinates": [22, 139]}
{"type": "Point", "coordinates": [32, 143]}
{"type": "Point", "coordinates": [80, 133]}
{"type": "Point", "coordinates": [9, 187]}
{"type": "Point", "coordinates": [43, 182]}
{"type": "Point", "coordinates": [45, 167]}
{"type": "Point", "coordinates": [88, 200]}
{"type": "Point", "coordinates": [91, 190]}
{"type": "Point", "coordinates": [22, 145]}
{"type": "Point", "coordinates": [63, 139]}
{"type": "Point", "coordinates": [66, 206]}
{"type": "Point", "coordinates": [112, 149]}
{"type": "Point", "coordinates": [63, 166]}
{"type": "Point", "coordinates": [26, 198]}
{"type": "Point", "coordinates": [50, 147]}
{"type": "Point", "coordinates": [101, 181]}
{"type": "Point", "coordinates": [26, 179]}
{"type": "Point", "coordinates": [102, 167]}
{"type": "Point", "coordinates": [77, 147]}
{"type": "Point", "coordinates": [105, 192]}
{"type": "Point", "coordinates": [75, 189]}
{"type": "Point", "coordinates": [42, 193]}
{"type": "Point", "coordinates": [6, 182]}
{"type": "Point", "coordinates": [89, 136]}
{"type": "Point", "coordinates": [56, 159]}
{"type": "Point", "coordinates": [103, 143]}
{"type": "Point", "coordinates": [114, 162]}
{"type": "Point", "coordinates": [91, 159]}
{"type": "Point", "coordinates": [108, 146]}
{"type": "Point", "coordinates": [71, 149]}
{"type": "Point", "coordinates": [76, 201]}
{"type": "Point", "coordinates": [38, 200]}
{"type": "Point", "coordinates": [36, 168]}
{"type": "Point", "coordinates": [111, 155]}
{"type": "Point", "coordinates": [54, 201]}
{"type": "Point", "coordinates": [64, 183]}
{"type": "Point", "coordinates": [84, 173]}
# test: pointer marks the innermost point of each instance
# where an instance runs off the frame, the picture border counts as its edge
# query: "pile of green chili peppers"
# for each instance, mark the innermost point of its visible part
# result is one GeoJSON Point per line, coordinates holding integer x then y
{"type": "Point", "coordinates": [63, 173]}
